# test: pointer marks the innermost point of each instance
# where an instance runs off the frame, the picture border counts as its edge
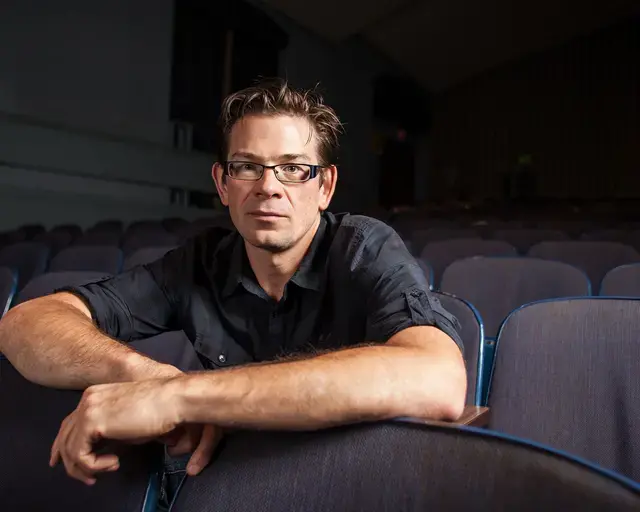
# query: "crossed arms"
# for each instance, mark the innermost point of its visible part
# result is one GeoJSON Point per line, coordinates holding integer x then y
{"type": "Point", "coordinates": [52, 341]}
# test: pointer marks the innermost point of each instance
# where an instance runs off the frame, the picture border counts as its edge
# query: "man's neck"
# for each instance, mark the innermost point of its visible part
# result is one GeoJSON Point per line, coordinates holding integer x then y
{"type": "Point", "coordinates": [274, 270]}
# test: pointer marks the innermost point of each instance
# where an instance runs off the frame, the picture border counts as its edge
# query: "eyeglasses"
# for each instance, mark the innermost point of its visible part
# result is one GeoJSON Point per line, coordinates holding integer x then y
{"type": "Point", "coordinates": [285, 173]}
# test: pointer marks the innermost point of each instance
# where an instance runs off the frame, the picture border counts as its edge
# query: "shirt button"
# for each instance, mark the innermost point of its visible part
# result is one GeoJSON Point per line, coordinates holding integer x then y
{"type": "Point", "coordinates": [221, 358]}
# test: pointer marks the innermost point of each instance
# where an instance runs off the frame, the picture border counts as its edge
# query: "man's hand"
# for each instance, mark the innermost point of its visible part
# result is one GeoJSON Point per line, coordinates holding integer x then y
{"type": "Point", "coordinates": [133, 412]}
{"type": "Point", "coordinates": [202, 440]}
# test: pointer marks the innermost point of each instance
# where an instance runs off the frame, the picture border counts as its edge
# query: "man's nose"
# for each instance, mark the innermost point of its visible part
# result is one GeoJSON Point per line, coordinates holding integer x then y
{"type": "Point", "coordinates": [268, 185]}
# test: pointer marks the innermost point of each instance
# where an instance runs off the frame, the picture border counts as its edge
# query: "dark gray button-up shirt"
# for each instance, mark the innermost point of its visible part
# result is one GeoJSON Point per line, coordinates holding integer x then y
{"type": "Point", "coordinates": [356, 284]}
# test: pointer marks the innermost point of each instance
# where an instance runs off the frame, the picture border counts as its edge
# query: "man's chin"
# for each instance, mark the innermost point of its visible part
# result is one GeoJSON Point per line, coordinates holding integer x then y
{"type": "Point", "coordinates": [270, 243]}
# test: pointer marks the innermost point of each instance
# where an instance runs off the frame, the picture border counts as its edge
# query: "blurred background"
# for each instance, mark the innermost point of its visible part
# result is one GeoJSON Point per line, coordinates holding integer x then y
{"type": "Point", "coordinates": [452, 108]}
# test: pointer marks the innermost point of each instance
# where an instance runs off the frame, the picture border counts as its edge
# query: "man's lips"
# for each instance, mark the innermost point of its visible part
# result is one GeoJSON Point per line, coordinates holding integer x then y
{"type": "Point", "coordinates": [260, 213]}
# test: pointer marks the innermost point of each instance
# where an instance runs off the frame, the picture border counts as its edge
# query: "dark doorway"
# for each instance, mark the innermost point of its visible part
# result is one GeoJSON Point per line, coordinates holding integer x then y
{"type": "Point", "coordinates": [218, 45]}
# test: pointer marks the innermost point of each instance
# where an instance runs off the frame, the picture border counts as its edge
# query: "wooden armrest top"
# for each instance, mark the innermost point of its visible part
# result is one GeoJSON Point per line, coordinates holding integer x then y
{"type": "Point", "coordinates": [472, 416]}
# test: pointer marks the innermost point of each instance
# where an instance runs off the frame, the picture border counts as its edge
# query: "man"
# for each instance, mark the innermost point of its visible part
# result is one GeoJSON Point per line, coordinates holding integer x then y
{"type": "Point", "coordinates": [334, 310]}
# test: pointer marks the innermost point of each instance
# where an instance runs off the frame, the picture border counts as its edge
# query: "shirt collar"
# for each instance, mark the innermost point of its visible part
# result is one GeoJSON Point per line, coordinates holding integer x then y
{"type": "Point", "coordinates": [311, 269]}
{"type": "Point", "coordinates": [236, 266]}
{"type": "Point", "coordinates": [309, 273]}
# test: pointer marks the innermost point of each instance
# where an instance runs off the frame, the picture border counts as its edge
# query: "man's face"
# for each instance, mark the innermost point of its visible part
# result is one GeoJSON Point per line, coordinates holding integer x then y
{"type": "Point", "coordinates": [269, 214]}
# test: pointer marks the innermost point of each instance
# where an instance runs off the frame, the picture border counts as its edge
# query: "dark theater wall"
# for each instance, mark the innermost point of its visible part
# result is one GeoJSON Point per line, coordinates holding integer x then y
{"type": "Point", "coordinates": [574, 109]}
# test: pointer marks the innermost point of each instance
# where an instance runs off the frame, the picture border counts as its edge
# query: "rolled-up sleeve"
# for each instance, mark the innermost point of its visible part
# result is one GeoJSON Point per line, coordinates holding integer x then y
{"type": "Point", "coordinates": [137, 304]}
{"type": "Point", "coordinates": [397, 289]}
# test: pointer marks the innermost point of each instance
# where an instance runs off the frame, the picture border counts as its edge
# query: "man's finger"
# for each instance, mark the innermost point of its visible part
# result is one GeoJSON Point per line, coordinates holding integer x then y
{"type": "Point", "coordinates": [189, 440]}
{"type": "Point", "coordinates": [55, 447]}
{"type": "Point", "coordinates": [172, 438]}
{"type": "Point", "coordinates": [186, 444]}
{"type": "Point", "coordinates": [91, 463]}
{"type": "Point", "coordinates": [75, 472]}
{"type": "Point", "coordinates": [211, 436]}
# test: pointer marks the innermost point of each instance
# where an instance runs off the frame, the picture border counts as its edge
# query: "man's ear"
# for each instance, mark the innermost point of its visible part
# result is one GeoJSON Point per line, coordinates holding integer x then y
{"type": "Point", "coordinates": [328, 180]}
{"type": "Point", "coordinates": [219, 178]}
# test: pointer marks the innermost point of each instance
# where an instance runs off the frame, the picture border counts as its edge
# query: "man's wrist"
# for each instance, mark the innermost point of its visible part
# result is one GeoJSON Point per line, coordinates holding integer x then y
{"type": "Point", "coordinates": [193, 397]}
{"type": "Point", "coordinates": [136, 367]}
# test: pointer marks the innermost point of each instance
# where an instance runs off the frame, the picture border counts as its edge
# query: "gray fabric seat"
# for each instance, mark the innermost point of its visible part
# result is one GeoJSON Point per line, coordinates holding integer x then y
{"type": "Point", "coordinates": [55, 240]}
{"type": "Point", "coordinates": [472, 334]}
{"type": "Point", "coordinates": [606, 235]}
{"type": "Point", "coordinates": [422, 237]}
{"type": "Point", "coordinates": [496, 286]}
{"type": "Point", "coordinates": [523, 239]}
{"type": "Point", "coordinates": [110, 225]}
{"type": "Point", "coordinates": [174, 224]}
{"type": "Point", "coordinates": [27, 259]}
{"type": "Point", "coordinates": [106, 259]}
{"type": "Point", "coordinates": [8, 285]}
{"type": "Point", "coordinates": [622, 281]}
{"type": "Point", "coordinates": [595, 258]}
{"type": "Point", "coordinates": [441, 254]}
{"type": "Point", "coordinates": [566, 374]}
{"type": "Point", "coordinates": [31, 418]}
{"type": "Point", "coordinates": [397, 466]}
{"type": "Point", "coordinates": [72, 229]}
{"type": "Point", "coordinates": [145, 255]}
{"type": "Point", "coordinates": [48, 283]}
{"type": "Point", "coordinates": [427, 270]}
{"type": "Point", "coordinates": [153, 237]}
{"type": "Point", "coordinates": [634, 239]}
{"type": "Point", "coordinates": [103, 237]}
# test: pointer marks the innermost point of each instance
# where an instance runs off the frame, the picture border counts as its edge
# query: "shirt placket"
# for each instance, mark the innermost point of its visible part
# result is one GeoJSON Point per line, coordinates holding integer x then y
{"type": "Point", "coordinates": [276, 326]}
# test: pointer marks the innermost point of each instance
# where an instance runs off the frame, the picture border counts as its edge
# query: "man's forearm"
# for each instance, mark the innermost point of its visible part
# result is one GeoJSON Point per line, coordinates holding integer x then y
{"type": "Point", "coordinates": [360, 384]}
{"type": "Point", "coordinates": [53, 343]}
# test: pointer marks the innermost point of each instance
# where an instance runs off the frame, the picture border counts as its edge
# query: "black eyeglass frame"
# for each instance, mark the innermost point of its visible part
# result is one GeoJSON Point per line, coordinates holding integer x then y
{"type": "Point", "coordinates": [313, 170]}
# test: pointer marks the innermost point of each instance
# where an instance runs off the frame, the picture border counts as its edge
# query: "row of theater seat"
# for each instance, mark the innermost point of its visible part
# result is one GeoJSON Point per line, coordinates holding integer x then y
{"type": "Point", "coordinates": [481, 292]}
{"type": "Point", "coordinates": [378, 467]}
{"type": "Point", "coordinates": [594, 258]}
{"type": "Point", "coordinates": [113, 233]}
{"type": "Point", "coordinates": [520, 238]}
{"type": "Point", "coordinates": [608, 315]}
{"type": "Point", "coordinates": [565, 375]}
{"type": "Point", "coordinates": [28, 260]}
{"type": "Point", "coordinates": [105, 247]}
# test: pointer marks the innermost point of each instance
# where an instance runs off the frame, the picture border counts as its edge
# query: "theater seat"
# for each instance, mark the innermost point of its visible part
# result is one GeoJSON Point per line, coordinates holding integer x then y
{"type": "Point", "coordinates": [27, 259]}
{"type": "Point", "coordinates": [90, 258]}
{"type": "Point", "coordinates": [472, 334]}
{"type": "Point", "coordinates": [595, 258]}
{"type": "Point", "coordinates": [566, 374]}
{"type": "Point", "coordinates": [146, 255]}
{"type": "Point", "coordinates": [396, 466]}
{"type": "Point", "coordinates": [623, 281]}
{"type": "Point", "coordinates": [524, 239]}
{"type": "Point", "coordinates": [55, 240]}
{"type": "Point", "coordinates": [31, 418]}
{"type": "Point", "coordinates": [422, 237]}
{"type": "Point", "coordinates": [102, 238]}
{"type": "Point", "coordinates": [8, 285]}
{"type": "Point", "coordinates": [496, 286]}
{"type": "Point", "coordinates": [51, 281]}
{"type": "Point", "coordinates": [441, 254]}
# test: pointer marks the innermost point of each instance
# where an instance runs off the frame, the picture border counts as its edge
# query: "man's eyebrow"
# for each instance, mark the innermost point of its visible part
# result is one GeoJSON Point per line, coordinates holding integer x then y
{"type": "Point", "coordinates": [286, 158]}
{"type": "Point", "coordinates": [244, 154]}
{"type": "Point", "coordinates": [292, 157]}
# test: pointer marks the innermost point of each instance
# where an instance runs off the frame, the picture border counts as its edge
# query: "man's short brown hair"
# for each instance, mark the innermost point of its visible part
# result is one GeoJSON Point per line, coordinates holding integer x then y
{"type": "Point", "coordinates": [275, 97]}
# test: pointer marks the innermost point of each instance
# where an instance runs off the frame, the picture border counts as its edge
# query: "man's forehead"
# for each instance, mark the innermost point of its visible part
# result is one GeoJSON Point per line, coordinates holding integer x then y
{"type": "Point", "coordinates": [270, 137]}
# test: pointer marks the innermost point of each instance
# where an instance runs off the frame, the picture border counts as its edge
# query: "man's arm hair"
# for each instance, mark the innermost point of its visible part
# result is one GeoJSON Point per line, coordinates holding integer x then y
{"type": "Point", "coordinates": [419, 372]}
{"type": "Point", "coordinates": [53, 341]}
